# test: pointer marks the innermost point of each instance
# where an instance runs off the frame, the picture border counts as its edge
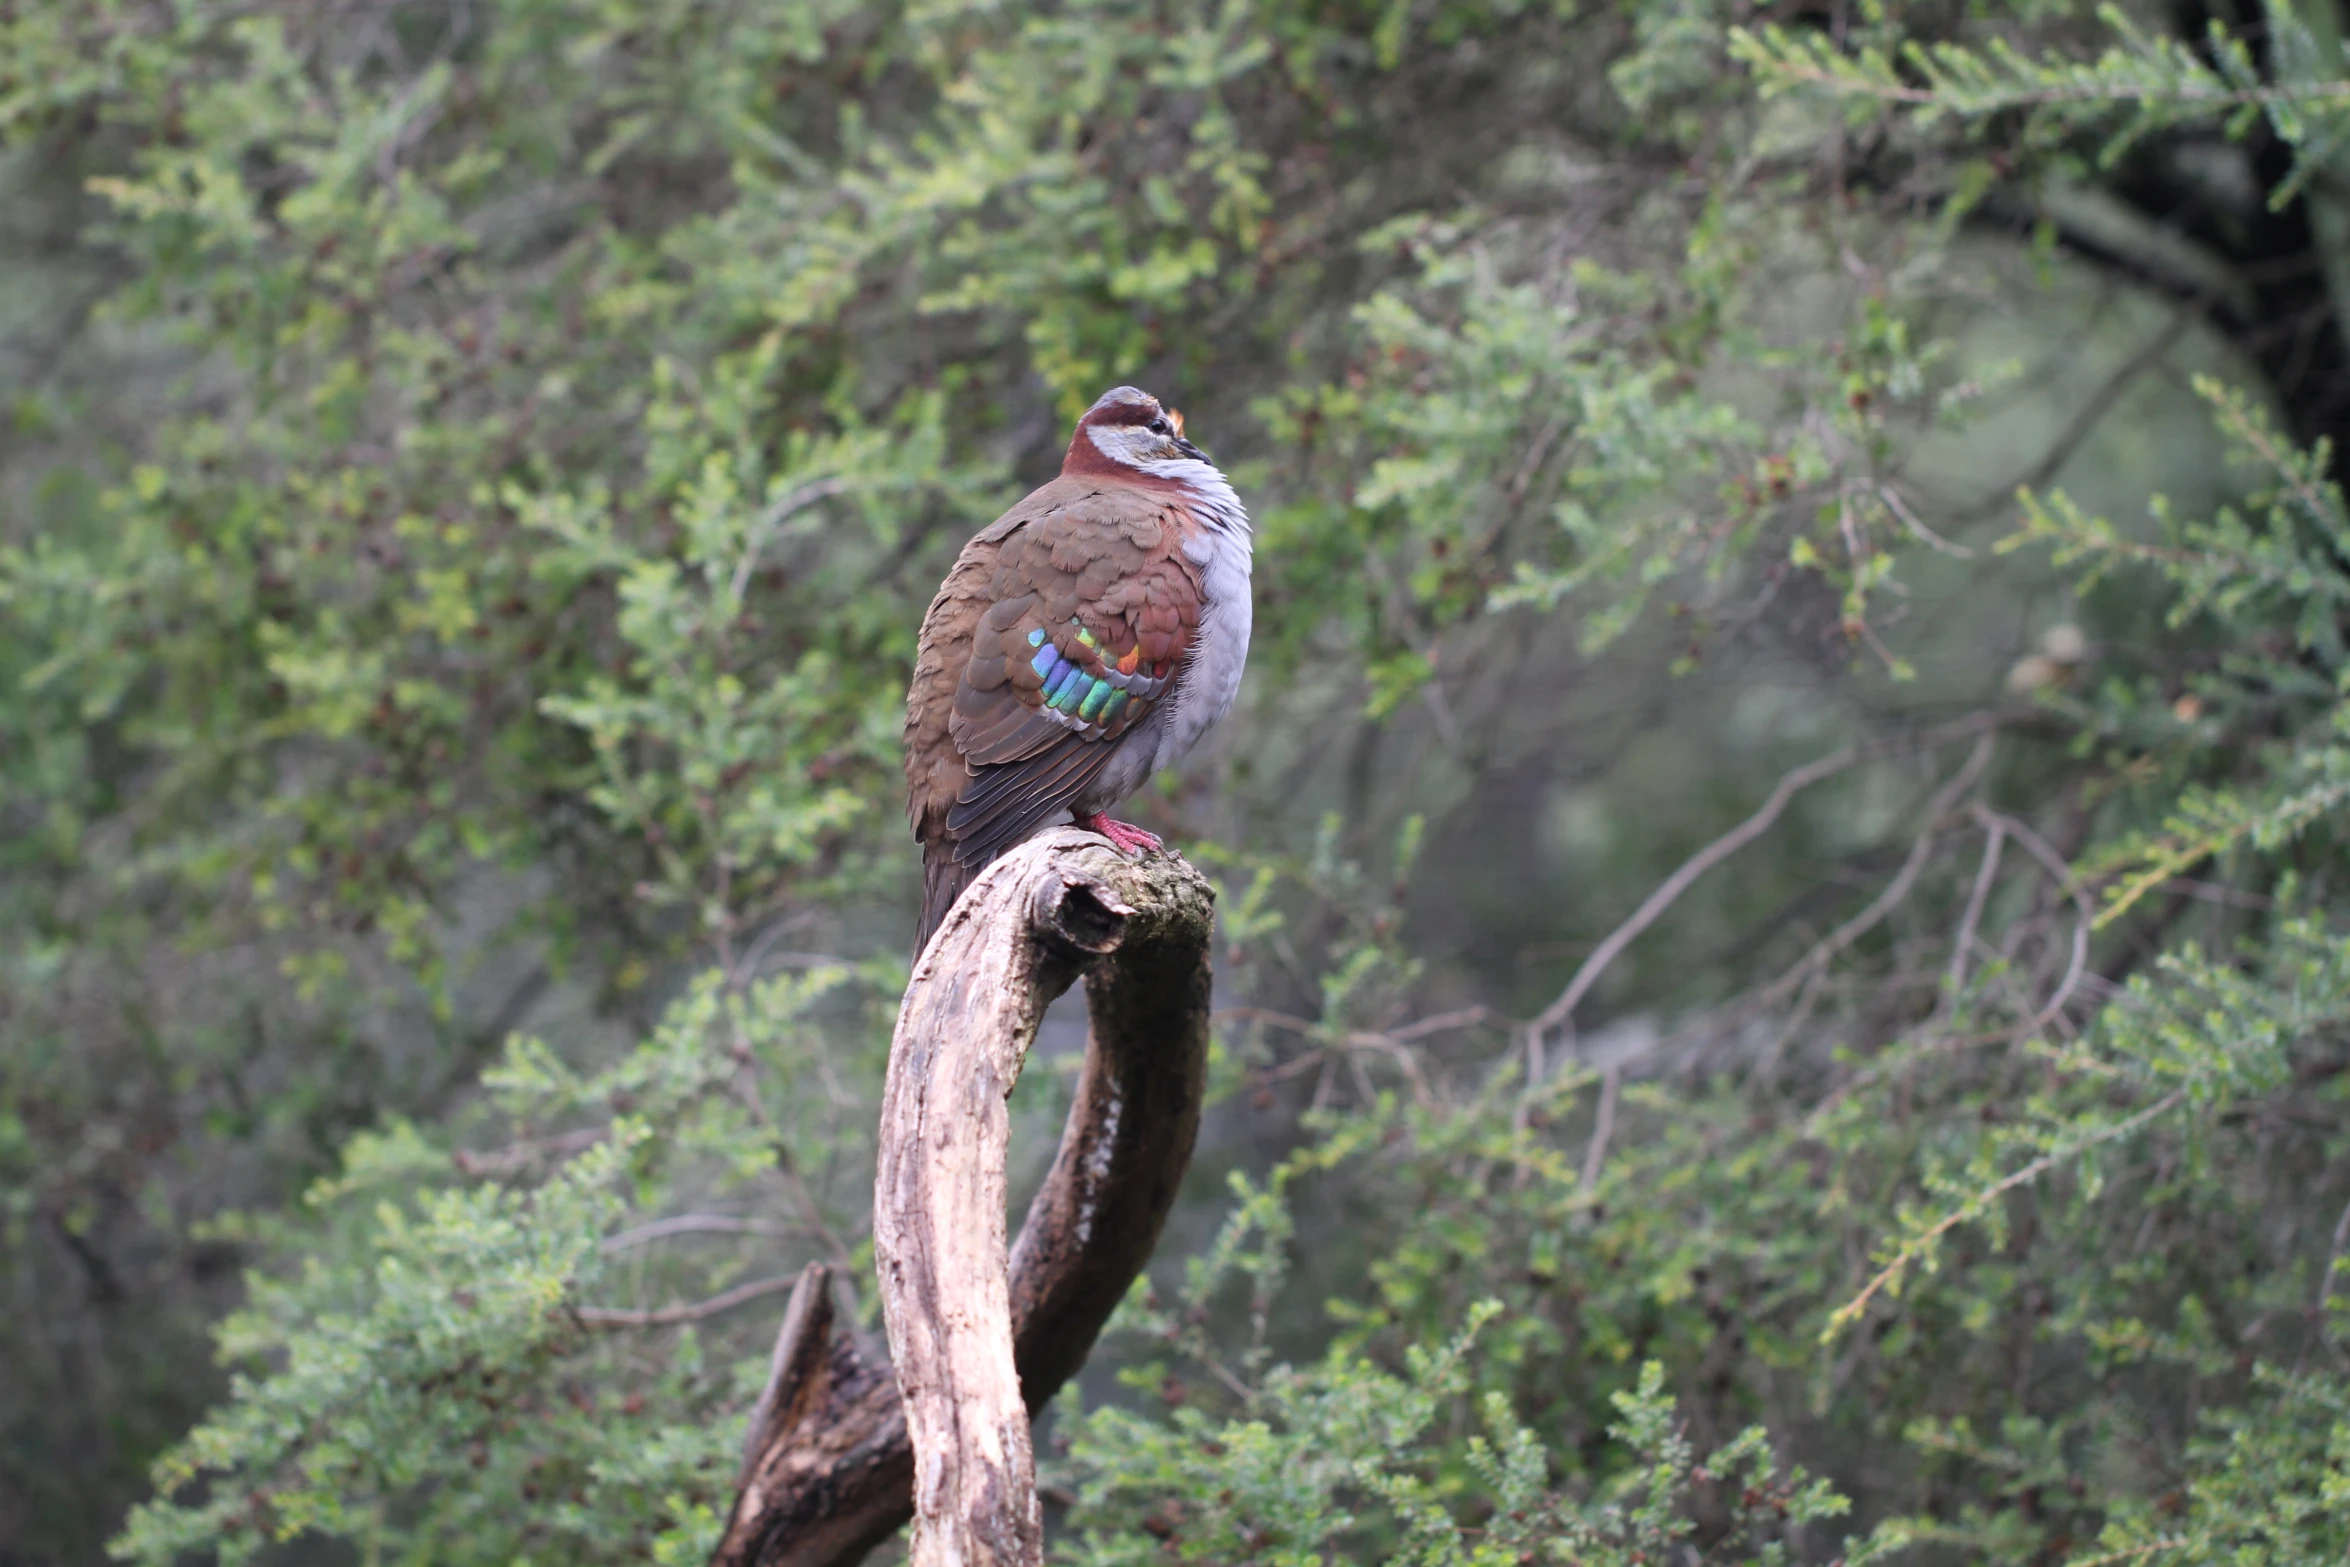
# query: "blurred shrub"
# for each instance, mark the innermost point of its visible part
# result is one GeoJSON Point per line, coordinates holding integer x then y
{"type": "Point", "coordinates": [555, 417]}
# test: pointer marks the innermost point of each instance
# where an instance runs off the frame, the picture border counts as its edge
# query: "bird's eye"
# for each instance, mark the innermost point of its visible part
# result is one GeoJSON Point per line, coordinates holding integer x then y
{"type": "Point", "coordinates": [1160, 425]}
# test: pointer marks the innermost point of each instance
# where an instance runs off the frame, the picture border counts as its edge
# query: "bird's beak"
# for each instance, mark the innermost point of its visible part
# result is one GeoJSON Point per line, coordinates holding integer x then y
{"type": "Point", "coordinates": [1175, 418]}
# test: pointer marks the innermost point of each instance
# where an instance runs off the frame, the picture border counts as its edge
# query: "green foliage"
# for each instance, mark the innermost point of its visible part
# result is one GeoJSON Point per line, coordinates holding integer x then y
{"type": "Point", "coordinates": [2253, 581]}
{"type": "Point", "coordinates": [448, 836]}
{"type": "Point", "coordinates": [1346, 1459]}
{"type": "Point", "coordinates": [1343, 1458]}
{"type": "Point", "coordinates": [2148, 82]}
{"type": "Point", "coordinates": [457, 1324]}
{"type": "Point", "coordinates": [2266, 1488]}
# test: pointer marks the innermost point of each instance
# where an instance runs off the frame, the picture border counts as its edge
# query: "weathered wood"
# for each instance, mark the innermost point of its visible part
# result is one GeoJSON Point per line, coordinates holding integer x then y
{"type": "Point", "coordinates": [827, 1471]}
{"type": "Point", "coordinates": [830, 1460]}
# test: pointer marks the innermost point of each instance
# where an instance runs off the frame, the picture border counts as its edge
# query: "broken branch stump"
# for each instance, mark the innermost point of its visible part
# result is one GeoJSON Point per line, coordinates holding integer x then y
{"type": "Point", "coordinates": [837, 1458]}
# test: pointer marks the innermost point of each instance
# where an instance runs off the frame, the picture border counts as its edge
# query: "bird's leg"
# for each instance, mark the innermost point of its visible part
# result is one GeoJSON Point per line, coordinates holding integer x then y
{"type": "Point", "coordinates": [1125, 835]}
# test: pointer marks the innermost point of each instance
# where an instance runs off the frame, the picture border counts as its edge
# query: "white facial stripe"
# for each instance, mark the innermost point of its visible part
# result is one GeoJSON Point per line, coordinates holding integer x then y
{"type": "Point", "coordinates": [1131, 444]}
{"type": "Point", "coordinates": [1139, 448]}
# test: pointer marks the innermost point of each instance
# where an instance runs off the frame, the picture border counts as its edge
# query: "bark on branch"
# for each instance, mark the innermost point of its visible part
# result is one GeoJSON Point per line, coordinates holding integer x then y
{"type": "Point", "coordinates": [830, 1464]}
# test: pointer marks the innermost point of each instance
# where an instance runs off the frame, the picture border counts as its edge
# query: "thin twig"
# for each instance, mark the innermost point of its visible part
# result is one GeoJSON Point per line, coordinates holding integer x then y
{"type": "Point", "coordinates": [1851, 1310]}
{"type": "Point", "coordinates": [1442, 1023]}
{"type": "Point", "coordinates": [1807, 1001]}
{"type": "Point", "coordinates": [2282, 461]}
{"type": "Point", "coordinates": [2169, 1542]}
{"type": "Point", "coordinates": [1896, 890]}
{"type": "Point", "coordinates": [1296, 1067]}
{"type": "Point", "coordinates": [2054, 864]}
{"type": "Point", "coordinates": [1322, 1084]}
{"type": "Point", "coordinates": [1347, 1041]}
{"type": "Point", "coordinates": [2092, 413]}
{"type": "Point", "coordinates": [756, 540]}
{"type": "Point", "coordinates": [1561, 1011]}
{"type": "Point", "coordinates": [2213, 892]}
{"type": "Point", "coordinates": [2075, 975]}
{"type": "Point", "coordinates": [1611, 1083]}
{"type": "Point", "coordinates": [2080, 91]}
{"type": "Point", "coordinates": [528, 1151]}
{"type": "Point", "coordinates": [1994, 839]}
{"type": "Point", "coordinates": [691, 1224]}
{"type": "Point", "coordinates": [1403, 1034]}
{"type": "Point", "coordinates": [670, 1316]}
{"type": "Point", "coordinates": [1916, 525]}
{"type": "Point", "coordinates": [2325, 1288]}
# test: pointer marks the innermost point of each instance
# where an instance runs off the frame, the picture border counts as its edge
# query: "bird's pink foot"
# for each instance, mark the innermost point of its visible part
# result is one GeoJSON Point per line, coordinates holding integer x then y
{"type": "Point", "coordinates": [1125, 835]}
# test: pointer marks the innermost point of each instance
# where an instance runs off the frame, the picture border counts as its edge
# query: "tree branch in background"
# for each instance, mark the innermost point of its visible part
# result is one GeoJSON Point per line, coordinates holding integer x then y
{"type": "Point", "coordinates": [1844, 935]}
{"type": "Point", "coordinates": [1560, 1013]}
{"type": "Point", "coordinates": [2089, 415]}
{"type": "Point", "coordinates": [830, 1466]}
{"type": "Point", "coordinates": [2077, 962]}
{"type": "Point", "coordinates": [1920, 1245]}
{"type": "Point", "coordinates": [1954, 980]}
{"type": "Point", "coordinates": [692, 1311]}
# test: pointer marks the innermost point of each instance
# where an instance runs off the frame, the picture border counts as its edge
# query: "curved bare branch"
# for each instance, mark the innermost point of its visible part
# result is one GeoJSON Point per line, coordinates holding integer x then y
{"type": "Point", "coordinates": [830, 1466]}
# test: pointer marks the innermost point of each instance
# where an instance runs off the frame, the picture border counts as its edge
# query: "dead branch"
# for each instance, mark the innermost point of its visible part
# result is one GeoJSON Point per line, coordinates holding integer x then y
{"type": "Point", "coordinates": [830, 1467]}
{"type": "Point", "coordinates": [1895, 891]}
{"type": "Point", "coordinates": [691, 1311]}
{"type": "Point", "coordinates": [2053, 863]}
{"type": "Point", "coordinates": [1561, 1012]}
{"type": "Point", "coordinates": [1954, 980]}
{"type": "Point", "coordinates": [1611, 1083]}
{"type": "Point", "coordinates": [691, 1224]}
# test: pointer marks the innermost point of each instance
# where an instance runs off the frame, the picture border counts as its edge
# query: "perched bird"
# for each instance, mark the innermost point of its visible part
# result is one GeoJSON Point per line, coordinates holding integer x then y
{"type": "Point", "coordinates": [1086, 638]}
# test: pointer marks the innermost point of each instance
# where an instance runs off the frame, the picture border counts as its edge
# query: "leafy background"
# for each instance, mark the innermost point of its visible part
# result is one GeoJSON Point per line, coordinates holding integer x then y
{"type": "Point", "coordinates": [473, 470]}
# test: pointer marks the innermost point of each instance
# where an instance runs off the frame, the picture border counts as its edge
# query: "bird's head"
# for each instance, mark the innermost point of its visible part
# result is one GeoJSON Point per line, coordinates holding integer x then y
{"type": "Point", "coordinates": [1126, 428]}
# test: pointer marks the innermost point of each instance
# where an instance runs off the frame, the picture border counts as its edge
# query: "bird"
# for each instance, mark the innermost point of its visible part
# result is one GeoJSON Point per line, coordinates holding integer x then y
{"type": "Point", "coordinates": [1085, 639]}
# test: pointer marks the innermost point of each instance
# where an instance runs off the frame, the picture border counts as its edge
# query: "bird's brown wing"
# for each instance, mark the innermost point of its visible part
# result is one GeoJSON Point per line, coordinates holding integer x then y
{"type": "Point", "coordinates": [1091, 611]}
{"type": "Point", "coordinates": [1057, 631]}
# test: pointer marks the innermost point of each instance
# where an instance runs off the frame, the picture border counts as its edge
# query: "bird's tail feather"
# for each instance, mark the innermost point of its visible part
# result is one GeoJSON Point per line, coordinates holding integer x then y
{"type": "Point", "coordinates": [943, 879]}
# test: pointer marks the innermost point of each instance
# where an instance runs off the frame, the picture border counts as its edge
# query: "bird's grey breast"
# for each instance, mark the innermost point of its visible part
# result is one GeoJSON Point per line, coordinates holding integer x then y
{"type": "Point", "coordinates": [1211, 675]}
